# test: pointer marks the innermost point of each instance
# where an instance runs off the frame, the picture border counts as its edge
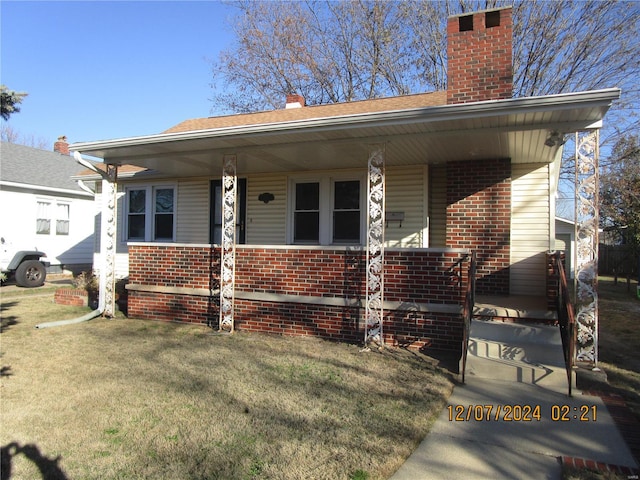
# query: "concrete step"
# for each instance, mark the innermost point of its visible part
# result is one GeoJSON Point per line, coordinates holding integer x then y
{"type": "Point", "coordinates": [522, 353]}
{"type": "Point", "coordinates": [516, 333]}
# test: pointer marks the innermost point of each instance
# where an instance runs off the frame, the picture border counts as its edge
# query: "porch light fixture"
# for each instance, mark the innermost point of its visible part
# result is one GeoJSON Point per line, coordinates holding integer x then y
{"type": "Point", "coordinates": [555, 139]}
{"type": "Point", "coordinates": [266, 197]}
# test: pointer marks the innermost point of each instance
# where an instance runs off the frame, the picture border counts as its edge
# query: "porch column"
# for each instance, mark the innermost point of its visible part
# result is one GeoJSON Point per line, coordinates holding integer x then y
{"type": "Point", "coordinates": [108, 237]}
{"type": "Point", "coordinates": [587, 219]}
{"type": "Point", "coordinates": [375, 247]}
{"type": "Point", "coordinates": [228, 262]}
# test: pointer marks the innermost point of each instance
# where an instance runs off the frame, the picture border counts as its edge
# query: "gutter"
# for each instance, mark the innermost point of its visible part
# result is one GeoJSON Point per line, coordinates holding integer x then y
{"type": "Point", "coordinates": [49, 190]}
{"type": "Point", "coordinates": [596, 98]}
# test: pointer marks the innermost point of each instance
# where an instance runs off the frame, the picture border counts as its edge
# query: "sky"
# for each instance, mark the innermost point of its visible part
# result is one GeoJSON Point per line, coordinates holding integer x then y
{"type": "Point", "coordinates": [98, 70]}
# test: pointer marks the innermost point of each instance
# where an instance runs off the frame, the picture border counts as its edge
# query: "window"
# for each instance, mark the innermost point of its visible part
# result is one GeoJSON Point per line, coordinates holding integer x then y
{"type": "Point", "coordinates": [150, 213]}
{"type": "Point", "coordinates": [62, 219]}
{"type": "Point", "coordinates": [163, 220]}
{"type": "Point", "coordinates": [346, 212]}
{"type": "Point", "coordinates": [43, 219]}
{"type": "Point", "coordinates": [326, 211]}
{"type": "Point", "coordinates": [136, 200]}
{"type": "Point", "coordinates": [306, 217]}
{"type": "Point", "coordinates": [52, 212]}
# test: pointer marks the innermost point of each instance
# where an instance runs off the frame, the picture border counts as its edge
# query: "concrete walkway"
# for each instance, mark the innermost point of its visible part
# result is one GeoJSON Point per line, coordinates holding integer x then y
{"type": "Point", "coordinates": [515, 365]}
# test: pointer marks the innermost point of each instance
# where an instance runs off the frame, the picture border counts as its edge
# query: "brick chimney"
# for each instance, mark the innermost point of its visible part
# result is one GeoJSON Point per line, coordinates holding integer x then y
{"type": "Point", "coordinates": [479, 56]}
{"type": "Point", "coordinates": [295, 101]}
{"type": "Point", "coordinates": [61, 146]}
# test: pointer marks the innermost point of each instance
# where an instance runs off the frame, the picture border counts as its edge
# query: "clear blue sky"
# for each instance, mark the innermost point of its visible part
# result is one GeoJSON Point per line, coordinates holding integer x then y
{"type": "Point", "coordinates": [97, 70]}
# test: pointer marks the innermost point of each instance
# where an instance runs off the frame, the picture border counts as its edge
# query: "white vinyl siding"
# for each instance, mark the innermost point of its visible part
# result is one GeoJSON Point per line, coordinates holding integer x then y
{"type": "Point", "coordinates": [530, 230]}
{"type": "Point", "coordinates": [71, 250]}
{"type": "Point", "coordinates": [266, 221]}
{"type": "Point", "coordinates": [438, 206]}
{"type": "Point", "coordinates": [405, 193]}
{"type": "Point", "coordinates": [192, 218]}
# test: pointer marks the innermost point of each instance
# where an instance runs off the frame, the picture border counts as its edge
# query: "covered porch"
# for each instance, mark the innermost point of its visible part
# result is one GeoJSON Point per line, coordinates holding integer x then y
{"type": "Point", "coordinates": [484, 175]}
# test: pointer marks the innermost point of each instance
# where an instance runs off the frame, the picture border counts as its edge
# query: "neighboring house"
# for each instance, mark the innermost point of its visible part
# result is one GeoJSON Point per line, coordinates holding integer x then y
{"type": "Point", "coordinates": [333, 217]}
{"type": "Point", "coordinates": [42, 208]}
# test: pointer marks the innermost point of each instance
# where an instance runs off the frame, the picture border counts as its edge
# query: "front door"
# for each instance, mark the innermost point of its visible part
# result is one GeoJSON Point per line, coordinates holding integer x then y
{"type": "Point", "coordinates": [215, 214]}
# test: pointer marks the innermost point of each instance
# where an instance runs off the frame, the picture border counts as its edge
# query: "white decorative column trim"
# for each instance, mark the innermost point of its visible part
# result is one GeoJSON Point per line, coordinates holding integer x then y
{"type": "Point", "coordinates": [228, 253]}
{"type": "Point", "coordinates": [108, 241]}
{"type": "Point", "coordinates": [587, 220]}
{"type": "Point", "coordinates": [374, 313]}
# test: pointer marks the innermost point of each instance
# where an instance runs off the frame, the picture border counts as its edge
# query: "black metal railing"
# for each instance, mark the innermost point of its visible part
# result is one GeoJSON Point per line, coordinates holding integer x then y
{"type": "Point", "coordinates": [467, 312]}
{"type": "Point", "coordinates": [566, 318]}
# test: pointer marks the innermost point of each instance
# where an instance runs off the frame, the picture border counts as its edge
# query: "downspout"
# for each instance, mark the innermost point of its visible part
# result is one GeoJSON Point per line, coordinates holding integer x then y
{"type": "Point", "coordinates": [101, 302]}
{"type": "Point", "coordinates": [89, 316]}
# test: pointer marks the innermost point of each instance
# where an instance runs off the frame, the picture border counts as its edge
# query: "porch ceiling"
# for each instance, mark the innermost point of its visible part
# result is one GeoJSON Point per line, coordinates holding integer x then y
{"type": "Point", "coordinates": [514, 128]}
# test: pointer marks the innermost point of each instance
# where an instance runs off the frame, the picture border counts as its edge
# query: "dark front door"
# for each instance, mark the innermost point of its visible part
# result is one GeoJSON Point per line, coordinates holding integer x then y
{"type": "Point", "coordinates": [215, 215]}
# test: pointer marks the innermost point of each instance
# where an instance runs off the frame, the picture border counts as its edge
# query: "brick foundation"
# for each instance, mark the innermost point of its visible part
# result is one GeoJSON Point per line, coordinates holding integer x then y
{"type": "Point", "coordinates": [305, 291]}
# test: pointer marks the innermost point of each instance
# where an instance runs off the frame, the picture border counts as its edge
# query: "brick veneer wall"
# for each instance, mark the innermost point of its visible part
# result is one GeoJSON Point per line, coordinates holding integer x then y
{"type": "Point", "coordinates": [553, 278]}
{"type": "Point", "coordinates": [301, 291]}
{"type": "Point", "coordinates": [479, 58]}
{"type": "Point", "coordinates": [479, 218]}
{"type": "Point", "coordinates": [71, 296]}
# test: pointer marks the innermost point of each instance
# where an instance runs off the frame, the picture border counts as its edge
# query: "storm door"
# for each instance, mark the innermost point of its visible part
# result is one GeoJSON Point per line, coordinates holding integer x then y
{"type": "Point", "coordinates": [215, 214]}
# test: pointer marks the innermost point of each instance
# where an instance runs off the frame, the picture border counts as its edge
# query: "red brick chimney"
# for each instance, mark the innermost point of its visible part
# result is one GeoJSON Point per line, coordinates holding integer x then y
{"type": "Point", "coordinates": [61, 146]}
{"type": "Point", "coordinates": [479, 56]}
{"type": "Point", "coordinates": [295, 101]}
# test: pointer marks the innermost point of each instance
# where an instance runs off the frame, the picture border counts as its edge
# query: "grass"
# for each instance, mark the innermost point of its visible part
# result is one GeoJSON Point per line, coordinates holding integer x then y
{"type": "Point", "coordinates": [619, 318]}
{"type": "Point", "coordinates": [585, 474]}
{"type": "Point", "coordinates": [619, 338]}
{"type": "Point", "coordinates": [133, 399]}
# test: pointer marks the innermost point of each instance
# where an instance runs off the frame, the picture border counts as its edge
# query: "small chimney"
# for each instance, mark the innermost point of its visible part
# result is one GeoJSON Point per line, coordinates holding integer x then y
{"type": "Point", "coordinates": [295, 101]}
{"type": "Point", "coordinates": [61, 146]}
{"type": "Point", "coordinates": [479, 56]}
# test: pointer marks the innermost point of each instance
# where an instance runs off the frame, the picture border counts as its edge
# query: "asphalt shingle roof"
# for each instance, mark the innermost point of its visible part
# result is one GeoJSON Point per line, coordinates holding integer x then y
{"type": "Point", "coordinates": [403, 102]}
{"type": "Point", "coordinates": [32, 166]}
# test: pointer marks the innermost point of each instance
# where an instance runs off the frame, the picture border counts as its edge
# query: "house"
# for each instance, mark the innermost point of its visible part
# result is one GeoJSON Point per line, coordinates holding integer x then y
{"type": "Point", "coordinates": [43, 208]}
{"type": "Point", "coordinates": [348, 221]}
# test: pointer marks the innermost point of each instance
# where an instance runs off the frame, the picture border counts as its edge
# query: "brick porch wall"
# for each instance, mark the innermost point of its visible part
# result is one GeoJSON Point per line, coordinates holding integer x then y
{"type": "Point", "coordinates": [553, 279]}
{"type": "Point", "coordinates": [305, 291]}
{"type": "Point", "coordinates": [479, 218]}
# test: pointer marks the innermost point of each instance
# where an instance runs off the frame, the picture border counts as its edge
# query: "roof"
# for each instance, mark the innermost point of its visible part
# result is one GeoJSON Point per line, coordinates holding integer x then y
{"type": "Point", "coordinates": [27, 166]}
{"type": "Point", "coordinates": [319, 111]}
{"type": "Point", "coordinates": [415, 129]}
{"type": "Point", "coordinates": [123, 171]}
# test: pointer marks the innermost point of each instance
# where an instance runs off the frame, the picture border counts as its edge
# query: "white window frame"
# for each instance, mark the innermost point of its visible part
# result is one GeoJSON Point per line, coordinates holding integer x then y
{"type": "Point", "coordinates": [149, 213]}
{"type": "Point", "coordinates": [327, 198]}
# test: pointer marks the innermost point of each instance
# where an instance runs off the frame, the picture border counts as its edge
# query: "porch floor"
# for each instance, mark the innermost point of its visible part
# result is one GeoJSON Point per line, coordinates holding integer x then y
{"type": "Point", "coordinates": [514, 308]}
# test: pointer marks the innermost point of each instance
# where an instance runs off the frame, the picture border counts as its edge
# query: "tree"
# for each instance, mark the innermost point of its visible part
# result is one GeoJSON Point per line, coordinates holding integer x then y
{"type": "Point", "coordinates": [9, 100]}
{"type": "Point", "coordinates": [342, 51]}
{"type": "Point", "coordinates": [331, 51]}
{"type": "Point", "coordinates": [620, 192]}
{"type": "Point", "coordinates": [11, 135]}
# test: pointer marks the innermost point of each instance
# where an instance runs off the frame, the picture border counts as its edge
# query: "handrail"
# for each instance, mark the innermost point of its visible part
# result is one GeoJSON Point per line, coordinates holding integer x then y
{"type": "Point", "coordinates": [566, 319]}
{"type": "Point", "coordinates": [467, 312]}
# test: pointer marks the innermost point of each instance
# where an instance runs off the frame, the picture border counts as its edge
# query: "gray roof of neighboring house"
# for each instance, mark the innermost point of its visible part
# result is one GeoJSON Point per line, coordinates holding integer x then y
{"type": "Point", "coordinates": [32, 166]}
